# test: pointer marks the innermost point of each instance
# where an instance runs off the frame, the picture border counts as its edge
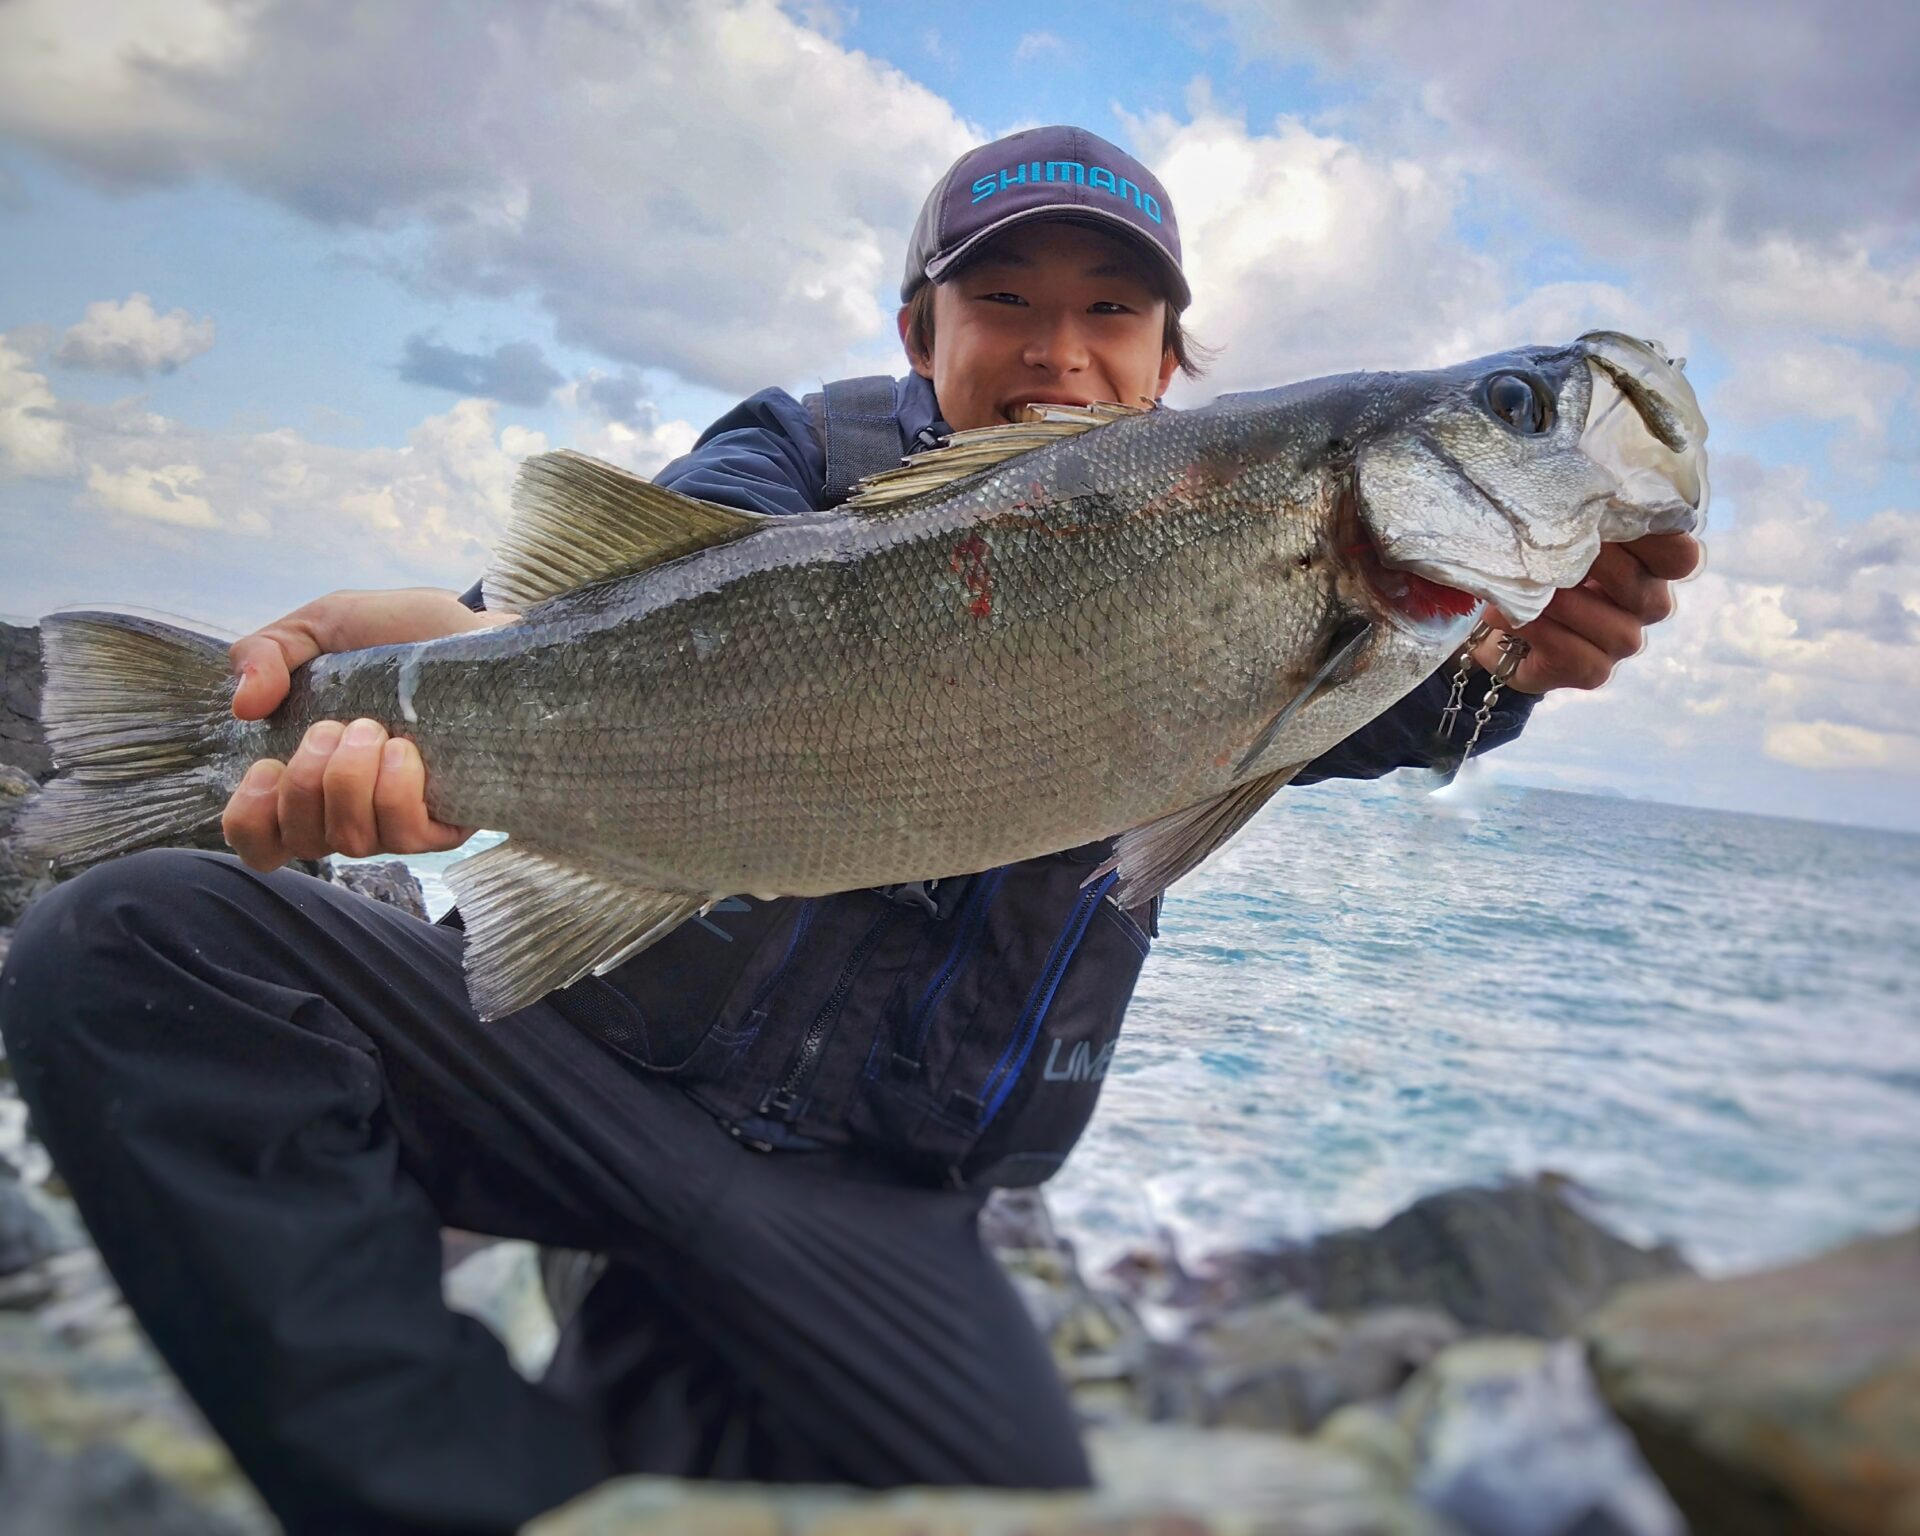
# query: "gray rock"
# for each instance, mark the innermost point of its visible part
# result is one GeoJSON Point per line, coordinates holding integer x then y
{"type": "Point", "coordinates": [1519, 1258]}
{"type": "Point", "coordinates": [1781, 1402]}
{"type": "Point", "coordinates": [388, 880]}
{"type": "Point", "coordinates": [1111, 1366]}
{"type": "Point", "coordinates": [501, 1286]}
{"type": "Point", "coordinates": [1278, 1365]}
{"type": "Point", "coordinates": [22, 674]}
{"type": "Point", "coordinates": [21, 878]}
{"type": "Point", "coordinates": [1512, 1439]}
{"type": "Point", "coordinates": [26, 1237]}
{"type": "Point", "coordinates": [99, 1437]}
{"type": "Point", "coordinates": [100, 1489]}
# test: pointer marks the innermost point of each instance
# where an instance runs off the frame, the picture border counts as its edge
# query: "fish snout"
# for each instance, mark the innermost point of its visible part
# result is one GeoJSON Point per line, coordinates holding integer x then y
{"type": "Point", "coordinates": [1645, 429]}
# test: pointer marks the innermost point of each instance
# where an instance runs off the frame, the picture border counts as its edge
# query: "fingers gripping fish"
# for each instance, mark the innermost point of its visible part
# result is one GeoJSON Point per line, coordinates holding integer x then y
{"type": "Point", "coordinates": [1095, 622]}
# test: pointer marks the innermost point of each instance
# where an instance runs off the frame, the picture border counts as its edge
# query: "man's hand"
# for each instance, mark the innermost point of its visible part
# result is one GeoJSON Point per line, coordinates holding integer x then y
{"type": "Point", "coordinates": [348, 789]}
{"type": "Point", "coordinates": [1588, 630]}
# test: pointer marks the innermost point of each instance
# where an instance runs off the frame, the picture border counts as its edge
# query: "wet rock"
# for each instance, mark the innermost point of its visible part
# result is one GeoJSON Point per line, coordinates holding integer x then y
{"type": "Point", "coordinates": [21, 877]}
{"type": "Point", "coordinates": [1781, 1402]}
{"type": "Point", "coordinates": [1111, 1366]}
{"type": "Point", "coordinates": [1154, 1480]}
{"type": "Point", "coordinates": [99, 1437]}
{"type": "Point", "coordinates": [1518, 1258]}
{"type": "Point", "coordinates": [501, 1286]}
{"type": "Point", "coordinates": [1512, 1439]}
{"type": "Point", "coordinates": [388, 880]}
{"type": "Point", "coordinates": [1279, 1365]}
{"type": "Point", "coordinates": [26, 1236]}
{"type": "Point", "coordinates": [22, 673]}
{"type": "Point", "coordinates": [100, 1489]}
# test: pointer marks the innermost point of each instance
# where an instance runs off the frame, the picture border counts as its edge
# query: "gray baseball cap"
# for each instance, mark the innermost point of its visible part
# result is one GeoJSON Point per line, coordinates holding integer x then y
{"type": "Point", "coordinates": [1043, 173]}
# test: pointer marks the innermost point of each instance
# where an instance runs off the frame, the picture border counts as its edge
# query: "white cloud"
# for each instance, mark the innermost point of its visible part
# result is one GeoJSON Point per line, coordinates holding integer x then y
{"type": "Point", "coordinates": [159, 493]}
{"type": "Point", "coordinates": [130, 338]}
{"type": "Point", "coordinates": [633, 164]}
{"type": "Point", "coordinates": [1824, 744]}
{"type": "Point", "coordinates": [430, 509]}
{"type": "Point", "coordinates": [33, 440]}
{"type": "Point", "coordinates": [1309, 255]}
{"type": "Point", "coordinates": [1821, 382]}
{"type": "Point", "coordinates": [1642, 118]}
{"type": "Point", "coordinates": [1035, 45]}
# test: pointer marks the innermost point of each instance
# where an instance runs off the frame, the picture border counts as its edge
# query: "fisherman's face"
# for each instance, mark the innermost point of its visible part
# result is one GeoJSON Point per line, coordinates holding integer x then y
{"type": "Point", "coordinates": [1048, 312]}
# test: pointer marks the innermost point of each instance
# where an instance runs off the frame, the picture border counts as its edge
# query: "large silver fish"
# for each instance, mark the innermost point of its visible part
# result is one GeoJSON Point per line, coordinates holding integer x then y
{"type": "Point", "coordinates": [1097, 622]}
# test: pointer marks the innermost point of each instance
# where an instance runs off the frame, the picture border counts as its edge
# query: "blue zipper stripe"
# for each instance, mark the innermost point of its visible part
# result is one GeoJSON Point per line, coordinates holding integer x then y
{"type": "Point", "coordinates": [1035, 1013]}
{"type": "Point", "coordinates": [774, 977]}
{"type": "Point", "coordinates": [973, 924]}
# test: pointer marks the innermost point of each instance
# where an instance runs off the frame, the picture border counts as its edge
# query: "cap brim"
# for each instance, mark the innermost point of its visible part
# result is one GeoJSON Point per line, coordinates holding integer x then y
{"type": "Point", "coordinates": [1072, 213]}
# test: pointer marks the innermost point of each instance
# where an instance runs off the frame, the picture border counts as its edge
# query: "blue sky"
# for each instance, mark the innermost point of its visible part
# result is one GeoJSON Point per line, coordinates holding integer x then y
{"type": "Point", "coordinates": [653, 209]}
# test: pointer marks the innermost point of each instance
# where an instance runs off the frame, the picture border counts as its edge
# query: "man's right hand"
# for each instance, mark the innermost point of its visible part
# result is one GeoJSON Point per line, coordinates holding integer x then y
{"type": "Point", "coordinates": [348, 789]}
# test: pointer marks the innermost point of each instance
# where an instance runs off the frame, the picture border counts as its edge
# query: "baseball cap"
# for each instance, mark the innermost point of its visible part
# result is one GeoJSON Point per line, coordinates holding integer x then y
{"type": "Point", "coordinates": [1043, 173]}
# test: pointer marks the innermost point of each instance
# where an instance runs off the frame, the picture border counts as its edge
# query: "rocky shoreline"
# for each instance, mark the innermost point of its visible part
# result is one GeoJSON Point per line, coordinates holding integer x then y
{"type": "Point", "coordinates": [1486, 1361]}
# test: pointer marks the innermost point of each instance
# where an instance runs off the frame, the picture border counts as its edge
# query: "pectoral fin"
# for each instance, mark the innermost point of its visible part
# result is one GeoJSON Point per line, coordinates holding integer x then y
{"type": "Point", "coordinates": [1150, 858]}
{"type": "Point", "coordinates": [536, 922]}
{"type": "Point", "coordinates": [1347, 643]}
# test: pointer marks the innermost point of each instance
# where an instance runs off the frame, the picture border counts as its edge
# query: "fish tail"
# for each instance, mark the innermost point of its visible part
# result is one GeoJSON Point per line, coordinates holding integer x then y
{"type": "Point", "coordinates": [139, 717]}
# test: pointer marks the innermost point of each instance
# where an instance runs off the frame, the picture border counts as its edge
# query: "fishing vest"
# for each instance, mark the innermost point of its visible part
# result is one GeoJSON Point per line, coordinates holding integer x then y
{"type": "Point", "coordinates": [959, 1028]}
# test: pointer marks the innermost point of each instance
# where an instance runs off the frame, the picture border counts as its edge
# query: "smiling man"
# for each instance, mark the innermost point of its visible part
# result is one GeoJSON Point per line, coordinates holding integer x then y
{"type": "Point", "coordinates": [778, 1124]}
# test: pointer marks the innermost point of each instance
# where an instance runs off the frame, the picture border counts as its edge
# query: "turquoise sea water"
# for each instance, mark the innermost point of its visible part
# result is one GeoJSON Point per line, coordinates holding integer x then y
{"type": "Point", "coordinates": [1711, 1020]}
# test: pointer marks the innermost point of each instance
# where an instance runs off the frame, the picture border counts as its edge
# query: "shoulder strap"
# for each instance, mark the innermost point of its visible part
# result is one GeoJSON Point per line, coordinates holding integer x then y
{"type": "Point", "coordinates": [854, 420]}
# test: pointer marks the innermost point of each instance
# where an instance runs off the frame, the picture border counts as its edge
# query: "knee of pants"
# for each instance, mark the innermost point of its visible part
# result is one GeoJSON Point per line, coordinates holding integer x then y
{"type": "Point", "coordinates": [93, 932]}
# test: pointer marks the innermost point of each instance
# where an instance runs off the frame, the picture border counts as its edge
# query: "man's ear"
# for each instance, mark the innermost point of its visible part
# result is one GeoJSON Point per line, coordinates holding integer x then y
{"type": "Point", "coordinates": [1169, 365]}
{"type": "Point", "coordinates": [922, 361]}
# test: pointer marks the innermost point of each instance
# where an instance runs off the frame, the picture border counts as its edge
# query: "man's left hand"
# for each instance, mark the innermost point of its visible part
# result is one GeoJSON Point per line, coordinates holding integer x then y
{"type": "Point", "coordinates": [1588, 630]}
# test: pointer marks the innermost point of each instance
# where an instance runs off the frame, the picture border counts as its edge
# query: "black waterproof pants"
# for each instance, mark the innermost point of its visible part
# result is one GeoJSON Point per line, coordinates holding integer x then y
{"type": "Point", "coordinates": [269, 1094]}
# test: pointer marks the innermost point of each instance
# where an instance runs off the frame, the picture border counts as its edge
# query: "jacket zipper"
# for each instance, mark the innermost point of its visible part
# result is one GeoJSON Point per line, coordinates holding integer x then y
{"type": "Point", "coordinates": [1064, 949]}
{"type": "Point", "coordinates": [974, 920]}
{"type": "Point", "coordinates": [783, 1100]}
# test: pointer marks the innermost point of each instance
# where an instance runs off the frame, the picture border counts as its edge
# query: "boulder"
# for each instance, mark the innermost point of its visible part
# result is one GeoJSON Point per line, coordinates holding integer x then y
{"type": "Point", "coordinates": [26, 1236]}
{"type": "Point", "coordinates": [97, 1436]}
{"type": "Point", "coordinates": [22, 743]}
{"type": "Point", "coordinates": [1786, 1401]}
{"type": "Point", "coordinates": [1521, 1257]}
{"type": "Point", "coordinates": [1111, 1367]}
{"type": "Point", "coordinates": [1511, 1439]}
{"type": "Point", "coordinates": [387, 880]}
{"type": "Point", "coordinates": [1153, 1480]}
{"type": "Point", "coordinates": [21, 878]}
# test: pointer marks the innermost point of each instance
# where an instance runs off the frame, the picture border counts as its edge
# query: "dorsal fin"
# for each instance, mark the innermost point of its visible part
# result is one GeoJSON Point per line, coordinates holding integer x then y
{"type": "Point", "coordinates": [981, 448]}
{"type": "Point", "coordinates": [578, 520]}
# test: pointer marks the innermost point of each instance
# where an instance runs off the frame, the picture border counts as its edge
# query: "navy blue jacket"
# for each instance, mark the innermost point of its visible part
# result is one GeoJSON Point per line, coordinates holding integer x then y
{"type": "Point", "coordinates": [763, 456]}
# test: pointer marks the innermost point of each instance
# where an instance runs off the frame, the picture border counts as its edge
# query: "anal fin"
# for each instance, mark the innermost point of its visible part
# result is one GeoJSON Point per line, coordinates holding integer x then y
{"type": "Point", "coordinates": [1151, 857]}
{"type": "Point", "coordinates": [536, 922]}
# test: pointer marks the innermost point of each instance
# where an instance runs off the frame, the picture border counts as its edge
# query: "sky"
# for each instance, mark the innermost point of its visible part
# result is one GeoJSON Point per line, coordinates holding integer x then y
{"type": "Point", "coordinates": [287, 290]}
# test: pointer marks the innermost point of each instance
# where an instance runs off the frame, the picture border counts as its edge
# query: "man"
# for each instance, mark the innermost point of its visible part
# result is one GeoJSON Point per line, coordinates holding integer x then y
{"type": "Point", "coordinates": [779, 1124]}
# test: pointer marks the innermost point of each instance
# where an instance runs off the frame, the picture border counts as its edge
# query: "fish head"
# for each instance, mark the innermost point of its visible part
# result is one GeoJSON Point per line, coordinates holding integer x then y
{"type": "Point", "coordinates": [1499, 480]}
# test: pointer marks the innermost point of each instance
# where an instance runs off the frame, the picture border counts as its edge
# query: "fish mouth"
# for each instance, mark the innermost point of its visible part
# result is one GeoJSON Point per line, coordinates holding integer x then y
{"type": "Point", "coordinates": [1644, 427]}
{"type": "Point", "coordinates": [1015, 410]}
{"type": "Point", "coordinates": [1414, 598]}
{"type": "Point", "coordinates": [1408, 593]}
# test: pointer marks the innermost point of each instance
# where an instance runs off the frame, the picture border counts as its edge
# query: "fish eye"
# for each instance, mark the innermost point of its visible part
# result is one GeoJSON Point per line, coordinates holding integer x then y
{"type": "Point", "coordinates": [1516, 402]}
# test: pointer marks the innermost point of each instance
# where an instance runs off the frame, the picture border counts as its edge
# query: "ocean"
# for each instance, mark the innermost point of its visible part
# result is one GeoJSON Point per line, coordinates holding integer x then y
{"type": "Point", "coordinates": [1710, 1020]}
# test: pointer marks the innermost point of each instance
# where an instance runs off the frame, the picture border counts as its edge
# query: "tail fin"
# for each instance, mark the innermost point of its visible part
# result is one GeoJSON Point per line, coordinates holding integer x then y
{"type": "Point", "coordinates": [139, 717]}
